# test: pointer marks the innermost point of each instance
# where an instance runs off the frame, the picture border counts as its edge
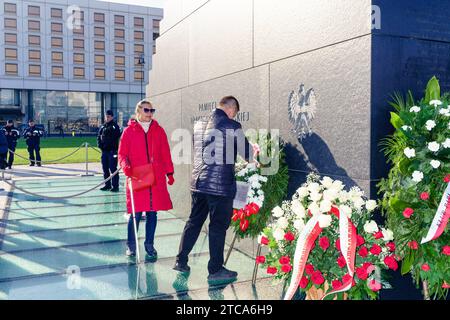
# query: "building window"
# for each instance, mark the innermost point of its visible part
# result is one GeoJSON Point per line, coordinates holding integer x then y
{"type": "Point", "coordinates": [156, 23]}
{"type": "Point", "coordinates": [99, 17]}
{"type": "Point", "coordinates": [10, 23]}
{"type": "Point", "coordinates": [79, 30]}
{"type": "Point", "coordinates": [34, 55]}
{"type": "Point", "coordinates": [99, 74]}
{"type": "Point", "coordinates": [34, 25]}
{"type": "Point", "coordinates": [99, 31]}
{"type": "Point", "coordinates": [78, 43]}
{"type": "Point", "coordinates": [57, 57]}
{"type": "Point", "coordinates": [10, 38]}
{"type": "Point", "coordinates": [120, 20]}
{"type": "Point", "coordinates": [99, 59]}
{"type": "Point", "coordinates": [10, 54]}
{"type": "Point", "coordinates": [34, 70]}
{"type": "Point", "coordinates": [56, 13]}
{"type": "Point", "coordinates": [56, 27]}
{"type": "Point", "coordinates": [10, 8]}
{"type": "Point", "coordinates": [78, 58]}
{"type": "Point", "coordinates": [119, 33]}
{"type": "Point", "coordinates": [57, 71]}
{"type": "Point", "coordinates": [119, 47]}
{"type": "Point", "coordinates": [11, 69]}
{"type": "Point", "coordinates": [155, 36]}
{"type": "Point", "coordinates": [78, 15]}
{"type": "Point", "coordinates": [57, 42]}
{"type": "Point", "coordinates": [99, 45]}
{"type": "Point", "coordinates": [119, 61]}
{"type": "Point", "coordinates": [154, 49]}
{"type": "Point", "coordinates": [139, 35]}
{"type": "Point", "coordinates": [138, 75]}
{"type": "Point", "coordinates": [34, 40]}
{"type": "Point", "coordinates": [34, 11]}
{"type": "Point", "coordinates": [138, 48]}
{"type": "Point", "coordinates": [78, 73]}
{"type": "Point", "coordinates": [120, 75]}
{"type": "Point", "coordinates": [138, 22]}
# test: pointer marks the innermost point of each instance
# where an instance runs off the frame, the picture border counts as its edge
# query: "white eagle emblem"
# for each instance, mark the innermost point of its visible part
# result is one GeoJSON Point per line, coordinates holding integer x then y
{"type": "Point", "coordinates": [302, 107]}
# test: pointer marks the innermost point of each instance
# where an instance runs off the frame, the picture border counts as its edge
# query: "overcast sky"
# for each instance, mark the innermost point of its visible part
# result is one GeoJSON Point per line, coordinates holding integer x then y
{"type": "Point", "coordinates": [150, 3]}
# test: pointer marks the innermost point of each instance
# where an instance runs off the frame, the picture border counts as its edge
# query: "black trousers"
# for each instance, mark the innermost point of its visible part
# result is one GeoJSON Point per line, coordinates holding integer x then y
{"type": "Point", "coordinates": [220, 210]}
{"type": "Point", "coordinates": [109, 165]}
{"type": "Point", "coordinates": [2, 161]}
{"type": "Point", "coordinates": [11, 155]}
{"type": "Point", "coordinates": [32, 150]}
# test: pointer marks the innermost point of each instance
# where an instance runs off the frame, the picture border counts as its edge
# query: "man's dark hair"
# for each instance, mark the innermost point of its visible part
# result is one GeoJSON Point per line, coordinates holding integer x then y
{"type": "Point", "coordinates": [9, 121]}
{"type": "Point", "coordinates": [30, 120]}
{"type": "Point", "coordinates": [109, 113]}
{"type": "Point", "coordinates": [229, 100]}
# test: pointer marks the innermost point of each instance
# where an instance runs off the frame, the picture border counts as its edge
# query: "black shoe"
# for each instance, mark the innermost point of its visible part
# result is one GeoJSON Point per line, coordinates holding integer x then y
{"type": "Point", "coordinates": [152, 254]}
{"type": "Point", "coordinates": [222, 276]}
{"type": "Point", "coordinates": [130, 253]}
{"type": "Point", "coordinates": [105, 188]}
{"type": "Point", "coordinates": [115, 190]}
{"type": "Point", "coordinates": [31, 164]}
{"type": "Point", "coordinates": [9, 167]}
{"type": "Point", "coordinates": [182, 267]}
{"type": "Point", "coordinates": [39, 164]}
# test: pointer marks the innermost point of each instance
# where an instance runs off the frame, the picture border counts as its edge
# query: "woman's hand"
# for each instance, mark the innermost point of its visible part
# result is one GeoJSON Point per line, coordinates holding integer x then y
{"type": "Point", "coordinates": [170, 178]}
{"type": "Point", "coordinates": [127, 171]}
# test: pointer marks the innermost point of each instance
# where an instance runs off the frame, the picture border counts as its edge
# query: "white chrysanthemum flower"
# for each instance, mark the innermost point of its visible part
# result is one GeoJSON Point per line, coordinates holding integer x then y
{"type": "Point", "coordinates": [356, 192]}
{"type": "Point", "coordinates": [278, 234]}
{"type": "Point", "coordinates": [330, 194]}
{"type": "Point", "coordinates": [315, 196]}
{"type": "Point", "coordinates": [302, 192]}
{"type": "Point", "coordinates": [260, 193]}
{"type": "Point", "coordinates": [344, 196]}
{"type": "Point", "coordinates": [282, 223]}
{"type": "Point", "coordinates": [314, 187]}
{"type": "Point", "coordinates": [435, 163]}
{"type": "Point", "coordinates": [337, 185]}
{"type": "Point", "coordinates": [327, 182]}
{"type": "Point", "coordinates": [314, 208]}
{"type": "Point", "coordinates": [324, 220]}
{"type": "Point", "coordinates": [388, 235]}
{"type": "Point", "coordinates": [446, 143]}
{"type": "Point", "coordinates": [417, 176]}
{"type": "Point", "coordinates": [409, 153]}
{"type": "Point", "coordinates": [444, 111]}
{"type": "Point", "coordinates": [358, 202]}
{"type": "Point", "coordinates": [277, 212]}
{"type": "Point", "coordinates": [371, 205]}
{"type": "Point", "coordinates": [299, 224]}
{"type": "Point", "coordinates": [435, 103]}
{"type": "Point", "coordinates": [298, 208]}
{"type": "Point", "coordinates": [371, 226]}
{"type": "Point", "coordinates": [263, 179]}
{"type": "Point", "coordinates": [414, 109]}
{"type": "Point", "coordinates": [346, 209]}
{"type": "Point", "coordinates": [430, 124]}
{"type": "Point", "coordinates": [325, 206]}
{"type": "Point", "coordinates": [406, 128]}
{"type": "Point", "coordinates": [433, 146]}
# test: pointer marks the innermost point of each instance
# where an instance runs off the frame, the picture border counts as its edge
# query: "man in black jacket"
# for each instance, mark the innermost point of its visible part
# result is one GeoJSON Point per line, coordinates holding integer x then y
{"type": "Point", "coordinates": [32, 136]}
{"type": "Point", "coordinates": [108, 141]}
{"type": "Point", "coordinates": [12, 134]}
{"type": "Point", "coordinates": [213, 185]}
{"type": "Point", "coordinates": [3, 150]}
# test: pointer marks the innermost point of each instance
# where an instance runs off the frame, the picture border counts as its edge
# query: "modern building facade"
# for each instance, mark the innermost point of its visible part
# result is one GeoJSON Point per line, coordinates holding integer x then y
{"type": "Point", "coordinates": [64, 64]}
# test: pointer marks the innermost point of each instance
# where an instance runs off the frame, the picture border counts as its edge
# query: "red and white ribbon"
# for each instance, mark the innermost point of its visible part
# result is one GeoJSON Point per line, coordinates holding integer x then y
{"type": "Point", "coordinates": [440, 220]}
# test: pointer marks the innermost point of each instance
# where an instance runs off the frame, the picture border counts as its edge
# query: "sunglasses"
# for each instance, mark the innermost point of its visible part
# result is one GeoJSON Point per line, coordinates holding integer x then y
{"type": "Point", "coordinates": [147, 110]}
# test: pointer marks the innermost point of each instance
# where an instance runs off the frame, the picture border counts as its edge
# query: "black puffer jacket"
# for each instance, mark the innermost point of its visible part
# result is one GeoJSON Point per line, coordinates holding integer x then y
{"type": "Point", "coordinates": [214, 139]}
{"type": "Point", "coordinates": [108, 136]}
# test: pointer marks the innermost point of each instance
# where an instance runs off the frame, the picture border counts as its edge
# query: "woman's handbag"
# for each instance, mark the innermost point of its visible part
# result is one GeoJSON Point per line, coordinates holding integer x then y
{"type": "Point", "coordinates": [143, 177]}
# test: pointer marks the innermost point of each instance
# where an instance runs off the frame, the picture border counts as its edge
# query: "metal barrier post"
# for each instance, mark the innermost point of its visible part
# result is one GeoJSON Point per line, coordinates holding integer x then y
{"type": "Point", "coordinates": [87, 174]}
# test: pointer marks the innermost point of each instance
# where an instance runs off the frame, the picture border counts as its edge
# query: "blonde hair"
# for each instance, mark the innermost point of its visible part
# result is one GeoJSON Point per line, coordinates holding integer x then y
{"type": "Point", "coordinates": [139, 106]}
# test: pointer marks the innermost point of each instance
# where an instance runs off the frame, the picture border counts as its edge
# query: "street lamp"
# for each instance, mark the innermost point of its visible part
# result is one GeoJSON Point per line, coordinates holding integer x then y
{"type": "Point", "coordinates": [141, 63]}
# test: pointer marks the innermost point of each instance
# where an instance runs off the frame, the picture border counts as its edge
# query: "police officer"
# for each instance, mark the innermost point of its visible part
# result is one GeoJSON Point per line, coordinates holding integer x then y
{"type": "Point", "coordinates": [32, 136]}
{"type": "Point", "coordinates": [3, 150]}
{"type": "Point", "coordinates": [108, 141]}
{"type": "Point", "coordinates": [12, 134]}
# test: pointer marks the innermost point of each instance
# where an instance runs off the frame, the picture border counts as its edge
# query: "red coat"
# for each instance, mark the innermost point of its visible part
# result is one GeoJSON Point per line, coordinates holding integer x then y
{"type": "Point", "coordinates": [133, 152]}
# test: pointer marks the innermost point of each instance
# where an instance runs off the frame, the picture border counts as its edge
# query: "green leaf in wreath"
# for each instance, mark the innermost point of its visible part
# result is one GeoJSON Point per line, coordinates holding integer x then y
{"type": "Point", "coordinates": [397, 205]}
{"type": "Point", "coordinates": [407, 263]}
{"type": "Point", "coordinates": [396, 121]}
{"type": "Point", "coordinates": [433, 91]}
{"type": "Point", "coordinates": [403, 166]}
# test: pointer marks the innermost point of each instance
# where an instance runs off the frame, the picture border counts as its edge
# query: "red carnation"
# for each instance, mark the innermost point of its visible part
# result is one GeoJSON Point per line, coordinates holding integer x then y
{"type": "Point", "coordinates": [346, 278]}
{"type": "Point", "coordinates": [425, 267]}
{"type": "Point", "coordinates": [413, 245]}
{"type": "Point", "coordinates": [336, 284]}
{"type": "Point", "coordinates": [363, 252]}
{"type": "Point", "coordinates": [424, 196]}
{"type": "Point", "coordinates": [338, 244]}
{"type": "Point", "coordinates": [446, 250]}
{"type": "Point", "coordinates": [341, 261]}
{"type": "Point", "coordinates": [360, 240]}
{"type": "Point", "coordinates": [324, 243]}
{"type": "Point", "coordinates": [317, 277]}
{"type": "Point", "coordinates": [407, 213]}
{"type": "Point", "coordinates": [264, 240]}
{"type": "Point", "coordinates": [362, 273]}
{"type": "Point", "coordinates": [286, 268]}
{"type": "Point", "coordinates": [285, 260]}
{"type": "Point", "coordinates": [260, 259]}
{"type": "Point", "coordinates": [271, 270]}
{"type": "Point", "coordinates": [391, 246]}
{"type": "Point", "coordinates": [304, 282]}
{"type": "Point", "coordinates": [391, 262]}
{"type": "Point", "coordinates": [374, 285]}
{"type": "Point", "coordinates": [378, 235]}
{"type": "Point", "coordinates": [309, 269]}
{"type": "Point", "coordinates": [289, 236]}
{"type": "Point", "coordinates": [375, 250]}
{"type": "Point", "coordinates": [445, 285]}
{"type": "Point", "coordinates": [447, 178]}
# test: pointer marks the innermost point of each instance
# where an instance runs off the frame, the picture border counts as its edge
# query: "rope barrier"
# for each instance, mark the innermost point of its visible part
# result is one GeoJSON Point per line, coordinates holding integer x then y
{"type": "Point", "coordinates": [95, 149]}
{"type": "Point", "coordinates": [47, 162]}
{"type": "Point", "coordinates": [65, 197]}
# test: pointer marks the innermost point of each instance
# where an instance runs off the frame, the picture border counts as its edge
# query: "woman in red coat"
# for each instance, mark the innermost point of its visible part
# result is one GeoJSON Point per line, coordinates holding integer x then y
{"type": "Point", "coordinates": [144, 141]}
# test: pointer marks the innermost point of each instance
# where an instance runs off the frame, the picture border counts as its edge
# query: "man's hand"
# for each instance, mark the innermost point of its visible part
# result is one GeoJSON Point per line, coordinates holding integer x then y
{"type": "Point", "coordinates": [256, 150]}
{"type": "Point", "coordinates": [171, 180]}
